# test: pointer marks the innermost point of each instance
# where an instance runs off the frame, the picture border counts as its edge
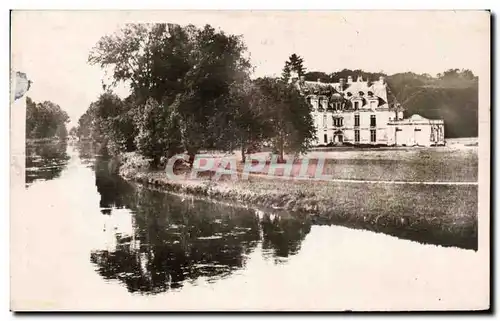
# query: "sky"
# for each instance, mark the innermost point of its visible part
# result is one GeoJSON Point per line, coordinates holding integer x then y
{"type": "Point", "coordinates": [52, 47]}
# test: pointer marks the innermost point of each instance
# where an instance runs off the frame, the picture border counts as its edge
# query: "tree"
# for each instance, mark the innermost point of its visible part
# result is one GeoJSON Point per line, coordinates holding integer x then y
{"type": "Point", "coordinates": [158, 133]}
{"type": "Point", "coordinates": [188, 72]}
{"type": "Point", "coordinates": [73, 131]}
{"type": "Point", "coordinates": [218, 64]}
{"type": "Point", "coordinates": [315, 75]}
{"type": "Point", "coordinates": [45, 120]}
{"type": "Point", "coordinates": [247, 124]}
{"type": "Point", "coordinates": [294, 64]}
{"type": "Point", "coordinates": [109, 122]}
{"type": "Point", "coordinates": [289, 117]}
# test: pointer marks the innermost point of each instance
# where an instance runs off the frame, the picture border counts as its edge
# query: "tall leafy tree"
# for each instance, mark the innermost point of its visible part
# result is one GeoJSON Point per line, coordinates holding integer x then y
{"type": "Point", "coordinates": [249, 126]}
{"type": "Point", "coordinates": [289, 116]}
{"type": "Point", "coordinates": [187, 71]}
{"type": "Point", "coordinates": [158, 133]}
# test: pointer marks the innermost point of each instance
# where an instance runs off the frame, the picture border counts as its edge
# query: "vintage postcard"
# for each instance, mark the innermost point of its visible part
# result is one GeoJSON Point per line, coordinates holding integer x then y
{"type": "Point", "coordinates": [250, 160]}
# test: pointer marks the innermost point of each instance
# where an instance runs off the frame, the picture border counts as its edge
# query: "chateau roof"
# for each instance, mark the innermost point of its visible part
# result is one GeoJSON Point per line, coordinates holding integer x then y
{"type": "Point", "coordinates": [378, 88]}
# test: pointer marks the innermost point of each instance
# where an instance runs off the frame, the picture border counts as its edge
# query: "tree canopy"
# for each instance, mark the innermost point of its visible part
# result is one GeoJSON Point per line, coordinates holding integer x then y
{"type": "Point", "coordinates": [191, 91]}
{"type": "Point", "coordinates": [45, 120]}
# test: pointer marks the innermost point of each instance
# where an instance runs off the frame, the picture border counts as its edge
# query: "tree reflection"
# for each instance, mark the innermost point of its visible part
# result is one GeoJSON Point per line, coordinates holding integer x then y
{"type": "Point", "coordinates": [282, 235]}
{"type": "Point", "coordinates": [45, 160]}
{"type": "Point", "coordinates": [86, 150]}
{"type": "Point", "coordinates": [113, 190]}
{"type": "Point", "coordinates": [181, 239]}
{"type": "Point", "coordinates": [176, 241]}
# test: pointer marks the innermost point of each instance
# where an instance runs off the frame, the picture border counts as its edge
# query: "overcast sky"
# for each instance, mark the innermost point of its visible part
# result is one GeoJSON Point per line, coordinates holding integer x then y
{"type": "Point", "coordinates": [52, 47]}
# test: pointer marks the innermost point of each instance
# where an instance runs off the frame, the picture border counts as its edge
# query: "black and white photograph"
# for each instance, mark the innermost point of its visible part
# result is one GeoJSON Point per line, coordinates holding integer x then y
{"type": "Point", "coordinates": [250, 160]}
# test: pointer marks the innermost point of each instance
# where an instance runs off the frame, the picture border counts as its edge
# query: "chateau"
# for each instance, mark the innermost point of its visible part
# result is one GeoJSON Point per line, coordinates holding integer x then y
{"type": "Point", "coordinates": [364, 112]}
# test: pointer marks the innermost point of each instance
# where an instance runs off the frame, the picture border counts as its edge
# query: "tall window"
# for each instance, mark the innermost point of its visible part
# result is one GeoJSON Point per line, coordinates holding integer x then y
{"type": "Point", "coordinates": [324, 121]}
{"type": "Point", "coordinates": [373, 135]}
{"type": "Point", "coordinates": [356, 105]}
{"type": "Point", "coordinates": [320, 104]}
{"type": "Point", "coordinates": [356, 136]}
{"type": "Point", "coordinates": [325, 138]}
{"type": "Point", "coordinates": [373, 121]}
{"type": "Point", "coordinates": [356, 120]}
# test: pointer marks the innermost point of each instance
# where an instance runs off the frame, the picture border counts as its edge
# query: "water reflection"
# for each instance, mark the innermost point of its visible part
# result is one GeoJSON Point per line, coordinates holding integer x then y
{"type": "Point", "coordinates": [175, 239]}
{"type": "Point", "coordinates": [282, 236]}
{"type": "Point", "coordinates": [45, 160]}
{"type": "Point", "coordinates": [114, 191]}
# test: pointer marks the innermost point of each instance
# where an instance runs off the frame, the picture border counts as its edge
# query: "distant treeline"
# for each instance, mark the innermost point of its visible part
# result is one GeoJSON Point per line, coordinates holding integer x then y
{"type": "Point", "coordinates": [452, 95]}
{"type": "Point", "coordinates": [45, 120]}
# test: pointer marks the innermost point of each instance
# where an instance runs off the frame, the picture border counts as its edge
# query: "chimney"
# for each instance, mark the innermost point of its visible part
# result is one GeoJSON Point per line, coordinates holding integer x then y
{"type": "Point", "coordinates": [349, 79]}
{"type": "Point", "coordinates": [302, 79]}
{"type": "Point", "coordinates": [319, 80]}
{"type": "Point", "coordinates": [381, 79]}
{"type": "Point", "coordinates": [360, 78]}
{"type": "Point", "coordinates": [342, 83]}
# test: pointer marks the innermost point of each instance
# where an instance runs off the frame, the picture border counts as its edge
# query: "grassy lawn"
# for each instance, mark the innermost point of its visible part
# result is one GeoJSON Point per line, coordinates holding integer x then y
{"type": "Point", "coordinates": [404, 165]}
{"type": "Point", "coordinates": [436, 214]}
{"type": "Point", "coordinates": [410, 164]}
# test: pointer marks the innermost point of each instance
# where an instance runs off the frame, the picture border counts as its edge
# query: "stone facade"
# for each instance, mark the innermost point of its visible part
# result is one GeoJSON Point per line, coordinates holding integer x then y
{"type": "Point", "coordinates": [417, 131]}
{"type": "Point", "coordinates": [364, 112]}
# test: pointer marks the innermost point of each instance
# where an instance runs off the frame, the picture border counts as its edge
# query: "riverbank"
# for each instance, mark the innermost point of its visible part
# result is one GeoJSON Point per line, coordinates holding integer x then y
{"type": "Point", "coordinates": [437, 214]}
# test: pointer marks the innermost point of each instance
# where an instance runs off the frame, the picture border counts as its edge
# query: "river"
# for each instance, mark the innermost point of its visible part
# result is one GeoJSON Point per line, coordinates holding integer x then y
{"type": "Point", "coordinates": [90, 240]}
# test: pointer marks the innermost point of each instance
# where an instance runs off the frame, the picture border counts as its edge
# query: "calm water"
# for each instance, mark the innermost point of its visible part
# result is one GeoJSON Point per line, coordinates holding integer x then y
{"type": "Point", "coordinates": [106, 243]}
{"type": "Point", "coordinates": [45, 161]}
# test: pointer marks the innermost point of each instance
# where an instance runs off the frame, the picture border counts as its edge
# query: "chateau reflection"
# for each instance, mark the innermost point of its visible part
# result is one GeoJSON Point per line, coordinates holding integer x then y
{"type": "Point", "coordinates": [177, 240]}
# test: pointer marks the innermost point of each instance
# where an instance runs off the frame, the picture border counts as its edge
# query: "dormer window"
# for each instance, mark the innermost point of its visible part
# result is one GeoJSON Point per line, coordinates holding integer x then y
{"type": "Point", "coordinates": [349, 94]}
{"type": "Point", "coordinates": [361, 93]}
{"type": "Point", "coordinates": [370, 94]}
{"type": "Point", "coordinates": [320, 104]}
